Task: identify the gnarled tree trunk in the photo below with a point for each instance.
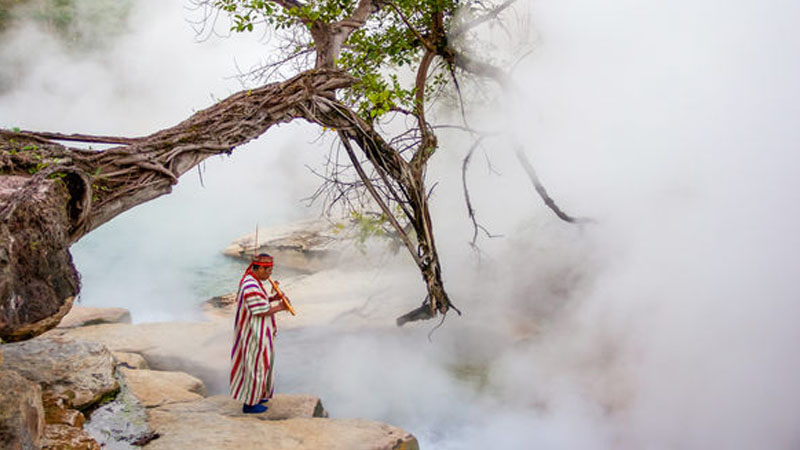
(52, 195)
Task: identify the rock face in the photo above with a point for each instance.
(38, 281)
(21, 412)
(80, 316)
(80, 371)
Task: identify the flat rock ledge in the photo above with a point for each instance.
(218, 423)
(297, 422)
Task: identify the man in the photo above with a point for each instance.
(253, 354)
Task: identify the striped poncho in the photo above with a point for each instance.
(253, 354)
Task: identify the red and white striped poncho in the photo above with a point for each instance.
(253, 354)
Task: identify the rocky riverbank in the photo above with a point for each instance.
(124, 386)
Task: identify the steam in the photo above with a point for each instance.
(670, 323)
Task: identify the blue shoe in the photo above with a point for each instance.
(253, 409)
(263, 401)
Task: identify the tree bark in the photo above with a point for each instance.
(52, 195)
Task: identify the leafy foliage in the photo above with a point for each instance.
(382, 54)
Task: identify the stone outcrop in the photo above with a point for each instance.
(83, 372)
(300, 246)
(80, 316)
(21, 412)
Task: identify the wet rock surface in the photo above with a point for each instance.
(121, 423)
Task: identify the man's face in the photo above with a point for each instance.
(262, 272)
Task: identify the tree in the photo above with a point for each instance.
(362, 50)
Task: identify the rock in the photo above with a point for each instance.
(130, 360)
(65, 437)
(1, 356)
(121, 423)
(21, 412)
(156, 388)
(223, 301)
(38, 281)
(57, 411)
(80, 316)
(218, 423)
(81, 371)
(301, 246)
(281, 407)
(192, 347)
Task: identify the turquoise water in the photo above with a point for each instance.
(162, 258)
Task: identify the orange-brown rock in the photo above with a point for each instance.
(57, 410)
(65, 437)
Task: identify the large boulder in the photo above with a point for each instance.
(80, 316)
(81, 371)
(292, 422)
(21, 412)
(38, 281)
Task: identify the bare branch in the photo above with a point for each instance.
(537, 184)
(491, 15)
(378, 199)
